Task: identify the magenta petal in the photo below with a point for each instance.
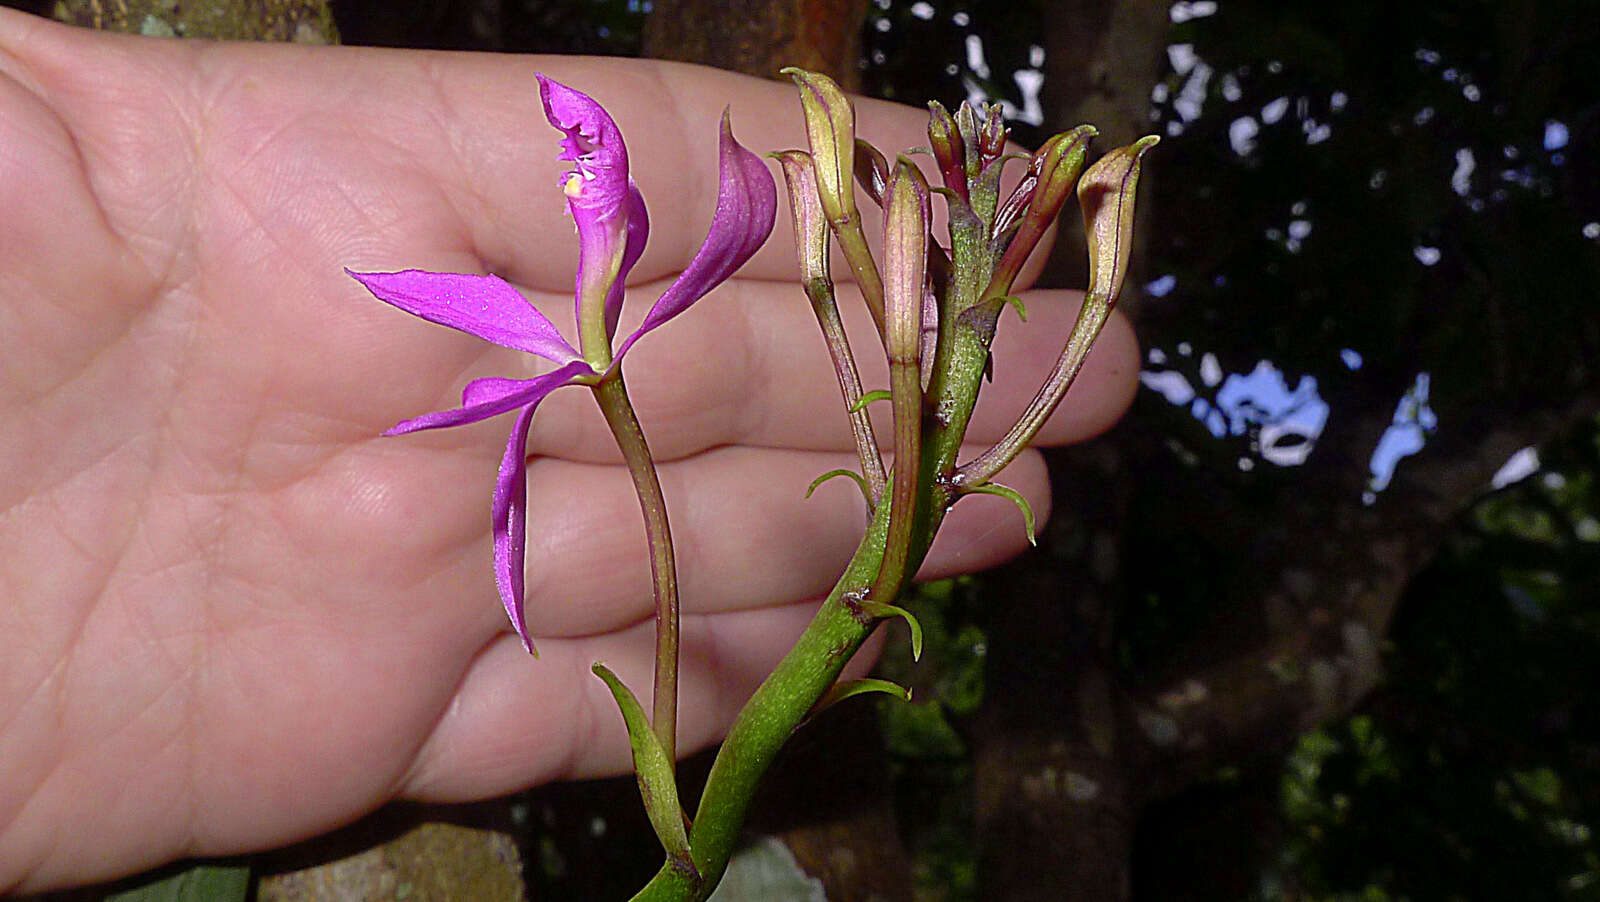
(510, 518)
(592, 142)
(485, 306)
(638, 232)
(605, 204)
(747, 200)
(485, 398)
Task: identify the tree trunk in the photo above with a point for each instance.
(1102, 59)
(759, 38)
(301, 21)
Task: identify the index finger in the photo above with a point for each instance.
(405, 155)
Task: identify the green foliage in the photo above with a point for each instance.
(204, 882)
(929, 757)
(1473, 773)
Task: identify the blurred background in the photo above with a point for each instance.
(1321, 619)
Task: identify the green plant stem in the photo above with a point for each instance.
(853, 241)
(812, 666)
(612, 395)
(820, 293)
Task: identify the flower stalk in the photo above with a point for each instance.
(612, 396)
(811, 246)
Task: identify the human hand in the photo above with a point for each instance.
(233, 615)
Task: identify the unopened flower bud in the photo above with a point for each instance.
(992, 137)
(872, 170)
(1052, 172)
(831, 129)
(949, 148)
(810, 230)
(1106, 195)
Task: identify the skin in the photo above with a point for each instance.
(231, 615)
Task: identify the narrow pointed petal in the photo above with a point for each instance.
(485, 306)
(747, 202)
(510, 519)
(485, 398)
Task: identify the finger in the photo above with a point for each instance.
(406, 147)
(517, 722)
(748, 366)
(411, 159)
(745, 536)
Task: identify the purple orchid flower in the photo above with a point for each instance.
(612, 227)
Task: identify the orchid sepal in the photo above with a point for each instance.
(486, 307)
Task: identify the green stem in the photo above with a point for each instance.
(812, 666)
(612, 395)
(779, 705)
(820, 292)
(853, 241)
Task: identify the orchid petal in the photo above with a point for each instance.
(485, 398)
(747, 201)
(638, 231)
(510, 518)
(484, 306)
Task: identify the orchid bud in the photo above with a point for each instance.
(948, 148)
(1051, 174)
(810, 230)
(905, 257)
(992, 137)
(872, 170)
(1106, 196)
(905, 260)
(831, 129)
(967, 126)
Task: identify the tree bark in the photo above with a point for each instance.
(301, 21)
(759, 38)
(1067, 753)
(1102, 59)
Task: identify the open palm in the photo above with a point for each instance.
(230, 614)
